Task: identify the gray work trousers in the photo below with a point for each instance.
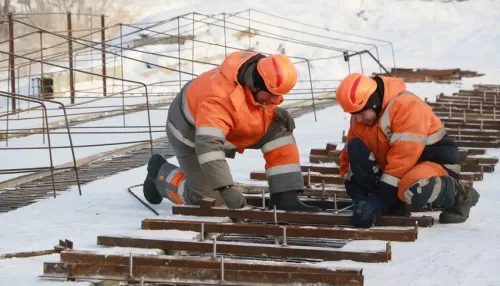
(196, 186)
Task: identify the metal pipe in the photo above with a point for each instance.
(249, 31)
(225, 41)
(130, 265)
(284, 236)
(308, 177)
(221, 268)
(70, 55)
(192, 52)
(12, 60)
(312, 91)
(323, 191)
(214, 247)
(40, 85)
(202, 232)
(263, 199)
(103, 55)
(179, 50)
(335, 202)
(121, 59)
(275, 215)
(347, 56)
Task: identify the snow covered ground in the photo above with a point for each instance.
(424, 34)
(443, 255)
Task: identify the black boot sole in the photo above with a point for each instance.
(151, 192)
(154, 165)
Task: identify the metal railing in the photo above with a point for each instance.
(131, 98)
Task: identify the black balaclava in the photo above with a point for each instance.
(249, 76)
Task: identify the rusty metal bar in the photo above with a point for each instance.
(63, 245)
(308, 218)
(332, 179)
(103, 50)
(330, 191)
(203, 276)
(248, 249)
(27, 254)
(12, 60)
(70, 55)
(72, 256)
(291, 231)
(324, 204)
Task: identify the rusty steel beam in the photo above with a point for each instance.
(333, 179)
(186, 276)
(268, 250)
(474, 132)
(477, 144)
(329, 191)
(196, 262)
(476, 138)
(408, 234)
(314, 178)
(476, 92)
(473, 151)
(463, 162)
(468, 115)
(335, 170)
(446, 99)
(457, 105)
(321, 170)
(494, 122)
(308, 218)
(324, 204)
(476, 125)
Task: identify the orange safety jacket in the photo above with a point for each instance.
(225, 116)
(405, 126)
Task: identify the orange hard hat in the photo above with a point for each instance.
(278, 73)
(354, 91)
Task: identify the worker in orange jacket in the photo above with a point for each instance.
(223, 111)
(398, 153)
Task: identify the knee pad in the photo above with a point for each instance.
(427, 182)
(170, 183)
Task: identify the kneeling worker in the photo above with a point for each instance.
(223, 111)
(398, 153)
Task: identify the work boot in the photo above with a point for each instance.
(289, 201)
(465, 198)
(149, 187)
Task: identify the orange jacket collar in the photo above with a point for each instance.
(392, 87)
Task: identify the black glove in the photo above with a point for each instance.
(365, 211)
(232, 197)
(285, 117)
